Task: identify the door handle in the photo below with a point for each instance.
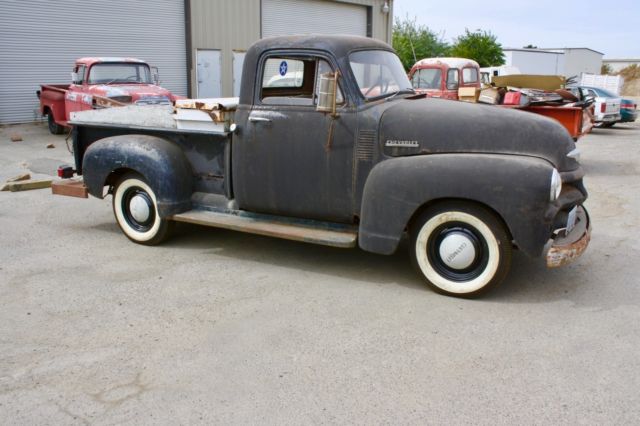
(259, 120)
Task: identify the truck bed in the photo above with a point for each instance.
(208, 153)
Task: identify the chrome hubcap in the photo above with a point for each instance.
(139, 208)
(457, 251)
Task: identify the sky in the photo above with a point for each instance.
(610, 27)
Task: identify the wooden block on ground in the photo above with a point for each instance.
(27, 185)
(70, 188)
(20, 177)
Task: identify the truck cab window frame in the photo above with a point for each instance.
(293, 80)
(469, 75)
(453, 78)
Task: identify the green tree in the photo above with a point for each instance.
(606, 69)
(481, 46)
(414, 42)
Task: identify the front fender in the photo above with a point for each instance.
(516, 187)
(162, 163)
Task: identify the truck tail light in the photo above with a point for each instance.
(65, 172)
(603, 107)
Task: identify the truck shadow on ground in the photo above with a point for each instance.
(528, 282)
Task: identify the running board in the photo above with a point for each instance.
(323, 233)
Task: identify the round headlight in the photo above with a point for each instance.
(556, 185)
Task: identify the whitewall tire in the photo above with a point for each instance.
(460, 249)
(135, 209)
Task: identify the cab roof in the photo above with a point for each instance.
(450, 62)
(90, 60)
(339, 45)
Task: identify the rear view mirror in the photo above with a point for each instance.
(327, 92)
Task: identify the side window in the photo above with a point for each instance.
(469, 75)
(453, 79)
(283, 72)
(293, 81)
(287, 81)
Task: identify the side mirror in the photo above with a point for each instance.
(327, 92)
(155, 75)
(74, 78)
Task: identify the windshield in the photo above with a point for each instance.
(378, 73)
(427, 78)
(119, 73)
(604, 93)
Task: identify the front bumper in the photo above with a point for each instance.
(565, 249)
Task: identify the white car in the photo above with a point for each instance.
(607, 106)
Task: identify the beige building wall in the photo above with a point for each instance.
(233, 25)
(225, 25)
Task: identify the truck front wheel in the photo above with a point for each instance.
(135, 209)
(460, 249)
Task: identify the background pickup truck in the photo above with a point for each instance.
(443, 77)
(99, 83)
(343, 152)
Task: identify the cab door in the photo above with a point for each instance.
(73, 98)
(289, 159)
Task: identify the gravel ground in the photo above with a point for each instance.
(229, 328)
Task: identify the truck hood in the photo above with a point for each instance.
(136, 91)
(432, 126)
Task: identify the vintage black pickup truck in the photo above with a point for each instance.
(329, 144)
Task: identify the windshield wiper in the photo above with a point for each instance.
(404, 91)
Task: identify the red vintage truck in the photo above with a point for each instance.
(100, 83)
(442, 77)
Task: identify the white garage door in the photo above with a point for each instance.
(286, 17)
(40, 39)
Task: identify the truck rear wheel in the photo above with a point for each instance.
(460, 249)
(54, 128)
(135, 209)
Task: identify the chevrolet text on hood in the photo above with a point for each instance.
(329, 144)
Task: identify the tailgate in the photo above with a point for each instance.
(613, 105)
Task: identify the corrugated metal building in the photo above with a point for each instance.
(619, 64)
(535, 61)
(41, 39)
(566, 61)
(221, 31)
(578, 60)
(198, 45)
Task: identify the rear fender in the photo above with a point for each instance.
(162, 163)
(52, 102)
(515, 187)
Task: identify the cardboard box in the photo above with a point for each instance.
(468, 94)
(542, 82)
(489, 96)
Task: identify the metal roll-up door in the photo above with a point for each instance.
(286, 17)
(41, 39)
